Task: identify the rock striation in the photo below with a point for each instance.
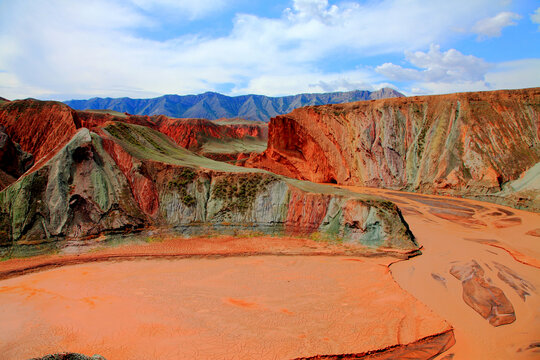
(43, 127)
(123, 177)
(486, 299)
(13, 160)
(466, 144)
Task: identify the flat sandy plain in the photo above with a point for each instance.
(263, 297)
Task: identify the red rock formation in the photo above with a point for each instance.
(192, 133)
(306, 211)
(487, 300)
(94, 119)
(457, 143)
(13, 160)
(44, 127)
(40, 127)
(143, 188)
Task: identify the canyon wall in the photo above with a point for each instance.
(43, 127)
(466, 144)
(124, 177)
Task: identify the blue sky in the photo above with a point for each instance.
(66, 49)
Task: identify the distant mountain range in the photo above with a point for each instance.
(211, 105)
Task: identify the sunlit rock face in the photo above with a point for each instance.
(116, 173)
(467, 144)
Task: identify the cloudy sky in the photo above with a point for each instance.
(71, 49)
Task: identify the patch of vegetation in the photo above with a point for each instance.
(180, 184)
(421, 141)
(239, 192)
(324, 237)
(133, 135)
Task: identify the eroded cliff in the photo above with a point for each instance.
(466, 144)
(126, 177)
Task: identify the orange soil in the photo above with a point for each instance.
(228, 297)
(263, 307)
(471, 230)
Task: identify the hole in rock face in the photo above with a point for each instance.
(332, 181)
(81, 154)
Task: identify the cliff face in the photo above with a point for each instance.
(13, 160)
(126, 177)
(42, 128)
(39, 127)
(464, 144)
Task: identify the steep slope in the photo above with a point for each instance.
(214, 106)
(130, 177)
(13, 160)
(39, 127)
(43, 127)
(224, 140)
(467, 144)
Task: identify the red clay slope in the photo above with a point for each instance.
(44, 127)
(456, 144)
(192, 133)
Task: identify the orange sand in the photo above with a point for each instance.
(256, 307)
(506, 237)
(277, 298)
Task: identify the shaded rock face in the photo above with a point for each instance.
(43, 127)
(40, 128)
(487, 300)
(69, 356)
(459, 144)
(423, 349)
(193, 133)
(75, 194)
(13, 160)
(131, 177)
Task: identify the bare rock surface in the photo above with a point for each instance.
(479, 145)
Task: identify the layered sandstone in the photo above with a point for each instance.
(129, 177)
(43, 127)
(13, 160)
(467, 144)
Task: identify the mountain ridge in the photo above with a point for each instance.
(213, 105)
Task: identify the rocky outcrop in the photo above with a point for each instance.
(423, 349)
(69, 356)
(13, 160)
(130, 177)
(487, 300)
(205, 136)
(39, 127)
(44, 127)
(467, 144)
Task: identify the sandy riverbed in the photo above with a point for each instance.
(454, 232)
(281, 298)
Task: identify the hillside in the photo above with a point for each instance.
(99, 173)
(467, 144)
(213, 106)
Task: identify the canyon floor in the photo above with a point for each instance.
(264, 297)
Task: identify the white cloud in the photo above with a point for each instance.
(452, 71)
(515, 74)
(193, 9)
(310, 81)
(492, 27)
(97, 48)
(447, 67)
(535, 17)
(308, 10)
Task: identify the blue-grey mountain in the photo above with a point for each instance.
(212, 105)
